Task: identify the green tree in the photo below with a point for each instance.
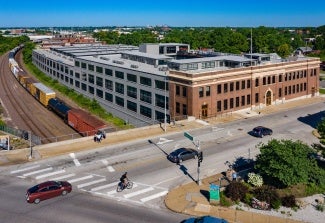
(284, 163)
(284, 50)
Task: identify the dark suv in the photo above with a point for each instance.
(261, 131)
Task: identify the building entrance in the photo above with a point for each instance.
(268, 98)
(204, 109)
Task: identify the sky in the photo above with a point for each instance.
(174, 13)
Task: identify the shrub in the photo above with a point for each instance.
(255, 179)
(320, 207)
(224, 201)
(236, 191)
(248, 198)
(289, 201)
(268, 194)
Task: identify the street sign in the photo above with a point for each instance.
(187, 135)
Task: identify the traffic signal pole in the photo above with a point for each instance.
(199, 160)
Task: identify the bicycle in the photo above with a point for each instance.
(121, 186)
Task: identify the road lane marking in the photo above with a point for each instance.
(138, 192)
(80, 179)
(75, 160)
(50, 174)
(90, 183)
(37, 171)
(154, 196)
(110, 169)
(24, 169)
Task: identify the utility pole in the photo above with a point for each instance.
(199, 161)
(30, 145)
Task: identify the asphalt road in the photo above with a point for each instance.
(95, 173)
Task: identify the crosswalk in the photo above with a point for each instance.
(93, 184)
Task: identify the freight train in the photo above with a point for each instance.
(84, 123)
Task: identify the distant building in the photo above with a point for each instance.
(303, 50)
(143, 84)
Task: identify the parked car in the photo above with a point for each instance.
(47, 190)
(205, 219)
(182, 154)
(261, 131)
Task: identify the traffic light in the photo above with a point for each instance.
(200, 157)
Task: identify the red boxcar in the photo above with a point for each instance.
(84, 123)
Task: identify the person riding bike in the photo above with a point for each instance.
(124, 179)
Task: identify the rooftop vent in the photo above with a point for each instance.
(134, 66)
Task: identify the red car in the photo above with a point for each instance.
(47, 190)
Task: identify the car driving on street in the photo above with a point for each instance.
(47, 190)
(181, 154)
(261, 131)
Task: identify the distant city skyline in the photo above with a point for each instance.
(178, 13)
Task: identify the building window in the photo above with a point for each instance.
(77, 75)
(219, 89)
(218, 106)
(77, 63)
(305, 86)
(109, 84)
(99, 81)
(119, 101)
(256, 82)
(99, 93)
(160, 101)
(178, 90)
(145, 111)
(280, 78)
(184, 109)
(83, 86)
(109, 72)
(231, 103)
(108, 97)
(201, 92)
(83, 65)
(119, 88)
(91, 67)
(225, 88)
(132, 78)
(225, 104)
(178, 107)
(160, 116)
(132, 92)
(231, 86)
(237, 85)
(99, 70)
(248, 84)
(77, 84)
(91, 90)
(145, 96)
(237, 101)
(280, 92)
(131, 106)
(145, 81)
(269, 80)
(161, 85)
(264, 80)
(248, 99)
(207, 91)
(91, 78)
(242, 100)
(119, 74)
(243, 84)
(184, 91)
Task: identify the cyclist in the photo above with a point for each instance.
(124, 179)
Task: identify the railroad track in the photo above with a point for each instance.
(27, 113)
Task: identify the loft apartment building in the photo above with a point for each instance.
(143, 84)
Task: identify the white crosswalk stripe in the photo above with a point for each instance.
(104, 186)
(90, 183)
(37, 171)
(154, 196)
(138, 192)
(81, 178)
(24, 169)
(64, 176)
(50, 174)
